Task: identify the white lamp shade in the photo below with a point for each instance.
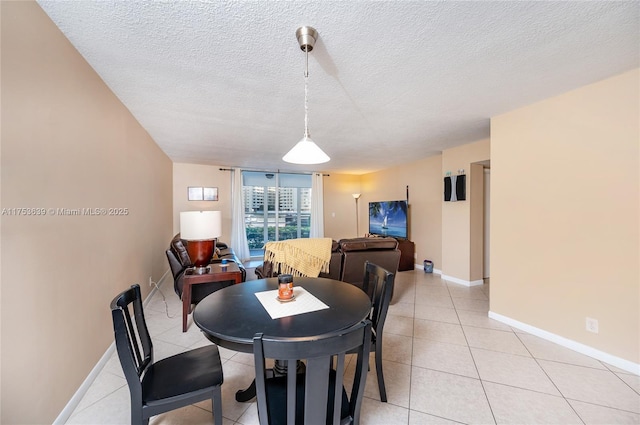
(200, 225)
(306, 152)
(355, 195)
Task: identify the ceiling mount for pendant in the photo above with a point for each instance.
(307, 37)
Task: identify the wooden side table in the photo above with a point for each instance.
(215, 274)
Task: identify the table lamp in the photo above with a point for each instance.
(200, 229)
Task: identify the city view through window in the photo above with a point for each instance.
(277, 207)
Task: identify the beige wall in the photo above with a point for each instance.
(340, 206)
(565, 215)
(185, 175)
(425, 197)
(459, 261)
(67, 142)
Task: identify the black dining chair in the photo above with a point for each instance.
(378, 284)
(167, 384)
(313, 394)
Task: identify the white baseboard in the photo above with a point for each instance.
(463, 282)
(64, 415)
(451, 278)
(84, 387)
(618, 362)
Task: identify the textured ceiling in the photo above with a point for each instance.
(389, 82)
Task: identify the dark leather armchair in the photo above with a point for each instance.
(179, 261)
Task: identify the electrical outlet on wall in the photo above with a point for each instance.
(592, 325)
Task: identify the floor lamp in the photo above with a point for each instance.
(356, 196)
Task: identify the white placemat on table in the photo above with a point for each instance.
(304, 302)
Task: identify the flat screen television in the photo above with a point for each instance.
(388, 218)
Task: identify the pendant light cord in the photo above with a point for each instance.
(306, 106)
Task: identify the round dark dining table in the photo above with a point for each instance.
(232, 316)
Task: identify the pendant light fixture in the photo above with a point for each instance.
(306, 151)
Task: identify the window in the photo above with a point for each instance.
(277, 207)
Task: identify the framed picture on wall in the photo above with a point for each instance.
(195, 193)
(202, 193)
(210, 193)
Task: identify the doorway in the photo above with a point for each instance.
(487, 214)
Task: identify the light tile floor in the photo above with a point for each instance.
(445, 362)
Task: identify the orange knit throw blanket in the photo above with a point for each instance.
(300, 257)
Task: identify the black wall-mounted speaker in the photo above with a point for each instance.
(455, 188)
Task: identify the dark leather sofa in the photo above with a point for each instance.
(335, 265)
(348, 257)
(383, 252)
(179, 261)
